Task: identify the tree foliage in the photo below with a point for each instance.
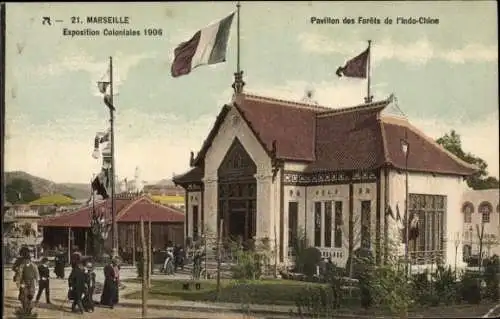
(20, 191)
(480, 180)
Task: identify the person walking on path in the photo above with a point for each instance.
(26, 280)
(44, 282)
(88, 301)
(110, 293)
(76, 283)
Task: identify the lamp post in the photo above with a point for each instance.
(405, 148)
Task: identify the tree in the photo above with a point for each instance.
(480, 180)
(351, 235)
(20, 191)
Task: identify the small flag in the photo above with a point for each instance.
(398, 214)
(356, 67)
(207, 46)
(414, 231)
(107, 101)
(389, 211)
(100, 138)
(99, 186)
(103, 86)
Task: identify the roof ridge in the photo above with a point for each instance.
(126, 208)
(365, 106)
(290, 103)
(387, 158)
(150, 200)
(408, 125)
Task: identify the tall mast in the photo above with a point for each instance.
(369, 97)
(114, 228)
(238, 76)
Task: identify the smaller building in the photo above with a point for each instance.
(73, 229)
(20, 228)
(480, 208)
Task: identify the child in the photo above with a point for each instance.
(88, 301)
(43, 283)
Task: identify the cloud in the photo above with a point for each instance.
(479, 137)
(417, 52)
(81, 61)
(331, 94)
(158, 145)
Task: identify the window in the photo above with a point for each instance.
(338, 225)
(328, 224)
(485, 209)
(430, 210)
(317, 224)
(365, 223)
(467, 210)
(293, 215)
(195, 222)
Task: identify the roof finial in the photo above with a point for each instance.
(238, 76)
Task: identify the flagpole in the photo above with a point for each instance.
(238, 6)
(114, 228)
(369, 97)
(238, 76)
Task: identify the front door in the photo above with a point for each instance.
(237, 194)
(237, 218)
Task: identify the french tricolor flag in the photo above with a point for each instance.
(207, 46)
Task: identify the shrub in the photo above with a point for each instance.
(308, 260)
(365, 268)
(444, 285)
(317, 302)
(491, 271)
(470, 288)
(299, 246)
(248, 263)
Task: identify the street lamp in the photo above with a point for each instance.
(405, 148)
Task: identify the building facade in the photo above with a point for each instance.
(481, 215)
(272, 169)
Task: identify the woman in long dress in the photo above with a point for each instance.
(109, 295)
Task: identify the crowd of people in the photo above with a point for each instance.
(81, 282)
(82, 279)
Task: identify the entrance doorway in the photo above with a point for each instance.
(237, 195)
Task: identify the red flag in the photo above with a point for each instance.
(356, 67)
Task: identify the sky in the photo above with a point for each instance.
(445, 76)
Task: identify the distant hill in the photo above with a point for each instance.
(45, 187)
(164, 182)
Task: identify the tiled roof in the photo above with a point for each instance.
(195, 174)
(132, 208)
(82, 216)
(348, 140)
(424, 154)
(353, 138)
(146, 209)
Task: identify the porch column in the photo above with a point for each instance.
(210, 203)
(265, 209)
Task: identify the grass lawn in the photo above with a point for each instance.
(285, 292)
(270, 292)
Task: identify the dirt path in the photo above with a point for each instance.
(61, 308)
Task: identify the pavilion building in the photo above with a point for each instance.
(270, 168)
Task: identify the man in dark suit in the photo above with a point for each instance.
(76, 283)
(88, 301)
(43, 283)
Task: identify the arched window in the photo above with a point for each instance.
(467, 210)
(485, 209)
